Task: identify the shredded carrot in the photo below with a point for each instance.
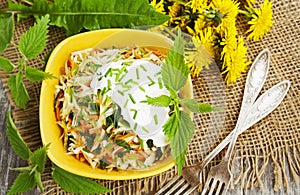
(70, 120)
(128, 54)
(120, 137)
(94, 117)
(57, 114)
(157, 53)
(136, 55)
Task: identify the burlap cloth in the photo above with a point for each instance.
(275, 140)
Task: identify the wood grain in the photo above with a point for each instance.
(8, 158)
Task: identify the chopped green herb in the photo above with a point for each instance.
(128, 81)
(131, 81)
(123, 144)
(144, 68)
(135, 126)
(74, 72)
(142, 143)
(104, 91)
(160, 83)
(152, 82)
(126, 102)
(108, 84)
(131, 98)
(71, 94)
(146, 130)
(142, 89)
(124, 86)
(155, 119)
(108, 72)
(134, 113)
(125, 90)
(120, 79)
(121, 92)
(137, 74)
(157, 74)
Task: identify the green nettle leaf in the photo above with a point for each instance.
(180, 161)
(38, 180)
(35, 75)
(175, 71)
(171, 126)
(18, 90)
(181, 139)
(38, 158)
(161, 101)
(74, 15)
(6, 65)
(196, 107)
(15, 139)
(23, 183)
(6, 30)
(76, 184)
(33, 41)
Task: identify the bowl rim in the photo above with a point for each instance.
(46, 109)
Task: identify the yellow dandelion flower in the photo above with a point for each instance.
(199, 25)
(228, 8)
(227, 33)
(261, 21)
(251, 2)
(174, 10)
(236, 62)
(202, 55)
(198, 5)
(159, 6)
(206, 38)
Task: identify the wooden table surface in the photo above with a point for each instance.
(8, 160)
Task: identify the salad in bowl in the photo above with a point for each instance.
(121, 109)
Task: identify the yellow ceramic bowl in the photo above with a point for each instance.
(51, 133)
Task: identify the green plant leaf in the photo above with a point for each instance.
(15, 139)
(18, 90)
(171, 126)
(161, 101)
(38, 180)
(76, 184)
(6, 65)
(74, 15)
(23, 183)
(36, 75)
(6, 30)
(181, 139)
(175, 71)
(38, 158)
(33, 41)
(196, 107)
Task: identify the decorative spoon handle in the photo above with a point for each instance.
(267, 102)
(264, 105)
(255, 80)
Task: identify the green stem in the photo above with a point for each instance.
(27, 1)
(14, 44)
(243, 12)
(9, 12)
(33, 169)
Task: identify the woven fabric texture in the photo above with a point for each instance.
(275, 139)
